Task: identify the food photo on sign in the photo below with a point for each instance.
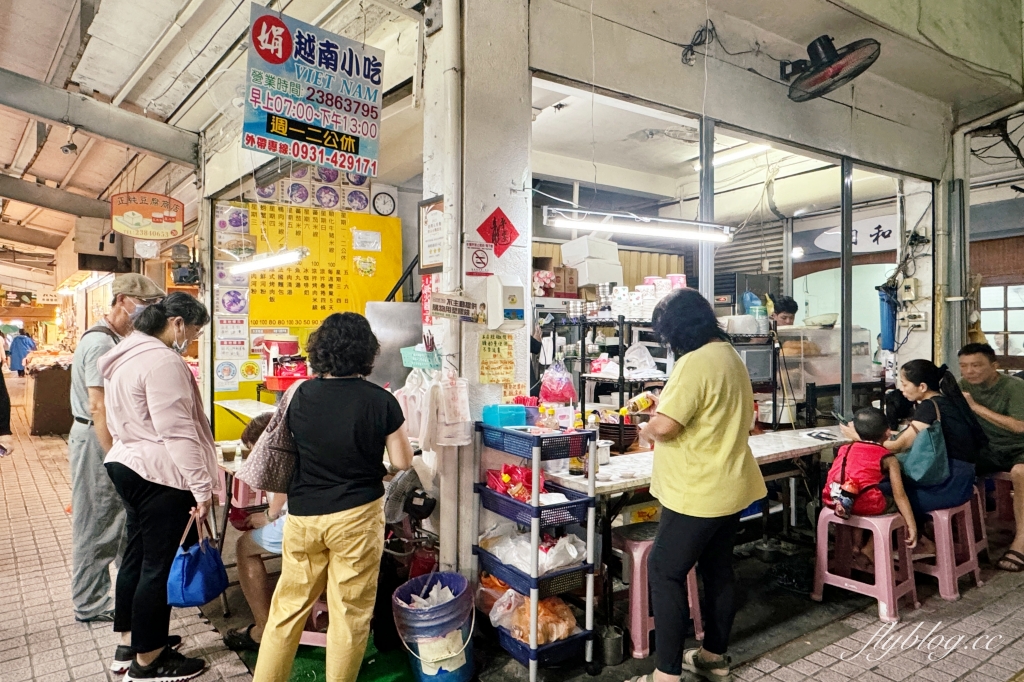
(315, 97)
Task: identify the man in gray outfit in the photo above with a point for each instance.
(97, 515)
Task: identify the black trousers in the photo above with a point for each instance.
(682, 542)
(5, 406)
(156, 518)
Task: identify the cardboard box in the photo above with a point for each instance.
(571, 282)
(559, 289)
(589, 248)
(594, 271)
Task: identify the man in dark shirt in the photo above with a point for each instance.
(998, 400)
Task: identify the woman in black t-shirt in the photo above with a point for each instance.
(334, 532)
(937, 396)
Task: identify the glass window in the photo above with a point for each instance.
(992, 297)
(1016, 345)
(992, 321)
(998, 342)
(1015, 297)
(1015, 320)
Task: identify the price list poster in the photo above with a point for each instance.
(353, 258)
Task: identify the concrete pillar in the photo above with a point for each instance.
(496, 115)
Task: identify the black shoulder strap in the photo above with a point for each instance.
(102, 329)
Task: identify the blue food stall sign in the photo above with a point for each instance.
(312, 96)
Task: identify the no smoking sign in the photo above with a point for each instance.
(478, 259)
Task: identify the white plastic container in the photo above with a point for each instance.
(587, 248)
(593, 272)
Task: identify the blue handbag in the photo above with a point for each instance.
(197, 575)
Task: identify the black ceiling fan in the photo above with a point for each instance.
(828, 67)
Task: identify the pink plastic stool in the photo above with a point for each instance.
(978, 517)
(891, 582)
(637, 540)
(954, 556)
(1004, 496)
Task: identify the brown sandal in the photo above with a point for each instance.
(1012, 561)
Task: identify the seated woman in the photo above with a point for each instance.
(936, 394)
(264, 538)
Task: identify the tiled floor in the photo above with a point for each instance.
(39, 638)
(979, 638)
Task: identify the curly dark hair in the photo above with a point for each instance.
(342, 346)
(685, 321)
(255, 428)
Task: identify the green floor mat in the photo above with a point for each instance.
(310, 665)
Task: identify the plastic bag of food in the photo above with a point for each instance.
(555, 621)
(505, 608)
(556, 386)
(496, 534)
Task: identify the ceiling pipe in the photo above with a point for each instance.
(169, 34)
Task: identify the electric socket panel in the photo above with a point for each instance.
(915, 321)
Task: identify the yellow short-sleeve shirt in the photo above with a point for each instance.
(708, 469)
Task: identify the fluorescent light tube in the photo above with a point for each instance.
(272, 261)
(734, 156)
(639, 228)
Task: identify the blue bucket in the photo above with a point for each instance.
(429, 633)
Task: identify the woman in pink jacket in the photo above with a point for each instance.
(164, 468)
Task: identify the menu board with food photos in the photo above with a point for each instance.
(353, 258)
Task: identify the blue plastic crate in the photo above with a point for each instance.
(574, 511)
(548, 585)
(554, 653)
(521, 443)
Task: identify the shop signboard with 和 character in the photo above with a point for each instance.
(312, 95)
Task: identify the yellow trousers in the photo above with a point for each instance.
(340, 553)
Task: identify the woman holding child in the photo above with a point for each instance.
(937, 396)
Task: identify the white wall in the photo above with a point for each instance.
(819, 293)
(638, 55)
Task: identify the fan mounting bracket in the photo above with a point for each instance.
(789, 69)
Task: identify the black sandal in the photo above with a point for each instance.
(692, 662)
(1012, 561)
(241, 639)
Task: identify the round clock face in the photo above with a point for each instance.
(383, 203)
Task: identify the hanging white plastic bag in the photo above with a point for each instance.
(455, 397)
(639, 362)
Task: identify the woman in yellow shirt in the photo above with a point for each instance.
(704, 476)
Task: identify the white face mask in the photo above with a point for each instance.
(179, 347)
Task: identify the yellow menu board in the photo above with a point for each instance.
(353, 258)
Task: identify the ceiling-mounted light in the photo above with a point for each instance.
(269, 261)
(734, 156)
(629, 223)
(798, 252)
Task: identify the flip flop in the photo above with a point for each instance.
(692, 662)
(1012, 561)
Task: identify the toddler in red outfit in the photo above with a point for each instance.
(852, 483)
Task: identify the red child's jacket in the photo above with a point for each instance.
(863, 466)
